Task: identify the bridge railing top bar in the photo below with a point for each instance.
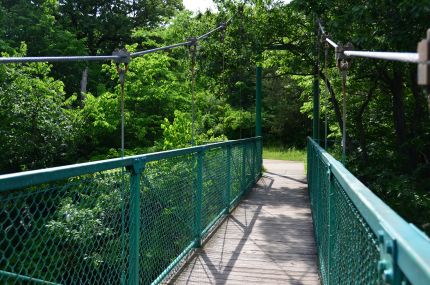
(34, 177)
(412, 245)
(114, 57)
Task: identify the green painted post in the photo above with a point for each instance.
(260, 153)
(198, 213)
(309, 170)
(258, 93)
(228, 186)
(258, 123)
(243, 184)
(315, 185)
(254, 162)
(133, 266)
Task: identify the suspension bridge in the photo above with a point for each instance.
(208, 214)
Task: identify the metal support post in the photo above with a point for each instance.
(133, 266)
(258, 93)
(254, 160)
(228, 186)
(260, 153)
(243, 184)
(316, 91)
(317, 189)
(198, 209)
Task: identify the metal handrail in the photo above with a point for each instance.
(33, 177)
(412, 246)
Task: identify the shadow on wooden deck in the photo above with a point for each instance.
(267, 239)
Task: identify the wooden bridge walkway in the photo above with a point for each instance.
(268, 238)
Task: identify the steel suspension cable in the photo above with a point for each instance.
(332, 43)
(412, 57)
(223, 64)
(213, 31)
(344, 66)
(321, 27)
(241, 31)
(328, 95)
(343, 53)
(393, 56)
(193, 49)
(114, 57)
(122, 72)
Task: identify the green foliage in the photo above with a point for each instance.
(178, 134)
(46, 121)
(36, 130)
(282, 153)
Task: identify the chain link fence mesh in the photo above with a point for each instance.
(122, 225)
(67, 232)
(348, 249)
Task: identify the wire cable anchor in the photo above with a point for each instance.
(323, 40)
(122, 57)
(122, 60)
(326, 45)
(193, 49)
(343, 62)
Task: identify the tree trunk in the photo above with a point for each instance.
(360, 125)
(397, 91)
(84, 81)
(419, 113)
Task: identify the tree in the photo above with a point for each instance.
(36, 131)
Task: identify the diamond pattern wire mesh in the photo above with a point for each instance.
(64, 232)
(214, 185)
(348, 250)
(249, 162)
(101, 229)
(236, 171)
(323, 217)
(167, 212)
(258, 156)
(355, 237)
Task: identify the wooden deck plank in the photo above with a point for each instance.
(268, 239)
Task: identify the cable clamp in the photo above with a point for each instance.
(324, 38)
(123, 56)
(223, 29)
(343, 62)
(192, 42)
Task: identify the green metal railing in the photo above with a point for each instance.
(119, 221)
(360, 240)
